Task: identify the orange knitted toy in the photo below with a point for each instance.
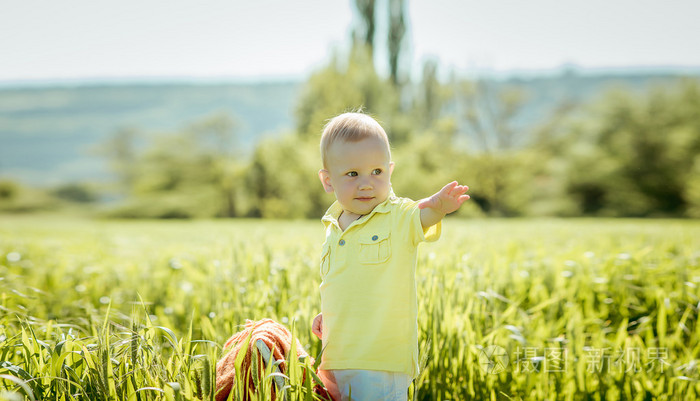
(275, 337)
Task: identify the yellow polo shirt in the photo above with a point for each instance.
(368, 288)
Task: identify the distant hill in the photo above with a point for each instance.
(46, 132)
(544, 93)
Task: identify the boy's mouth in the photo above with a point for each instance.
(365, 198)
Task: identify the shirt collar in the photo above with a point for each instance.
(333, 212)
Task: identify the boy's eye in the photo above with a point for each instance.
(352, 174)
(377, 171)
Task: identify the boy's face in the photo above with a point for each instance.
(359, 173)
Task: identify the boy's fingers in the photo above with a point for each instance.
(316, 329)
(452, 190)
(449, 187)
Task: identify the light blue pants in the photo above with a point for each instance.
(372, 385)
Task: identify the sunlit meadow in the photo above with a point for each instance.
(508, 309)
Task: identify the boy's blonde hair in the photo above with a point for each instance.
(351, 127)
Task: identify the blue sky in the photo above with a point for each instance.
(264, 39)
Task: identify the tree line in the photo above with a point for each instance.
(624, 154)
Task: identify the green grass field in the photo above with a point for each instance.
(508, 309)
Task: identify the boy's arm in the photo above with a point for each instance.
(446, 201)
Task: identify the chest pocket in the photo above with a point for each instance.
(375, 248)
(325, 260)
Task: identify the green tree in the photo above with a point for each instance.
(74, 192)
(218, 140)
(120, 149)
(282, 179)
(8, 190)
(692, 190)
(397, 31)
(364, 31)
(193, 172)
(494, 158)
(488, 112)
(16, 198)
(634, 154)
(345, 85)
(430, 100)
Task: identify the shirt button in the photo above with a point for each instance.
(374, 238)
(341, 242)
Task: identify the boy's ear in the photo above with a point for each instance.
(325, 178)
(391, 168)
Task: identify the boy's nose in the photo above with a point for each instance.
(365, 184)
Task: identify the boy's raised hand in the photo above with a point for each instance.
(447, 200)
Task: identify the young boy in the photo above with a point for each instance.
(368, 320)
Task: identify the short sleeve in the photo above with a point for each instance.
(409, 219)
